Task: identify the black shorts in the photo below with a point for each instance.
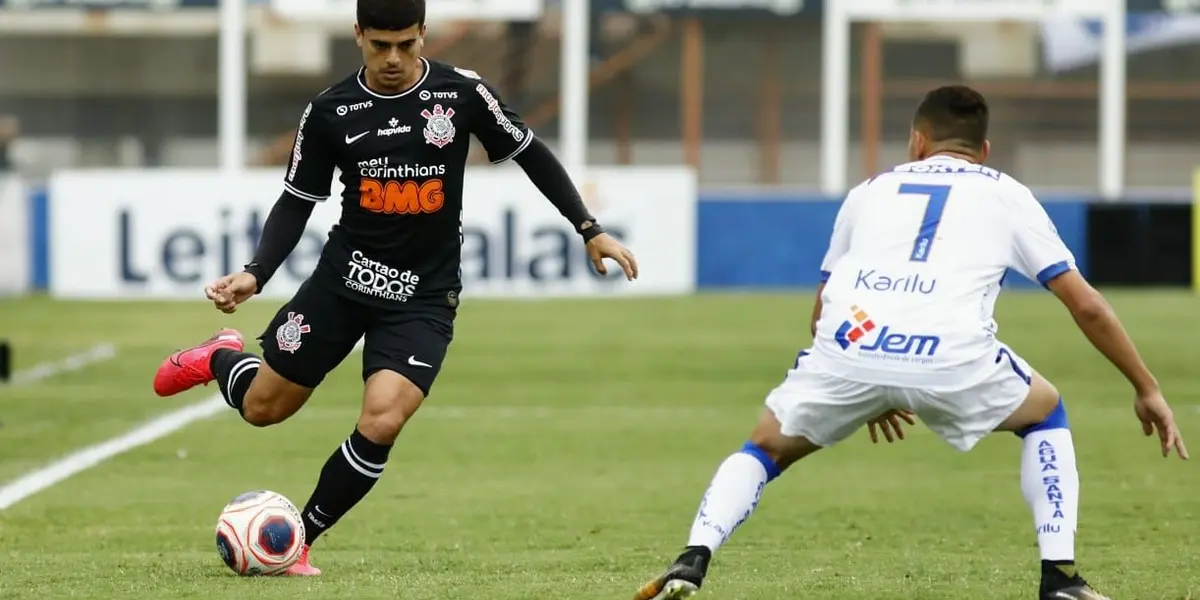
(315, 331)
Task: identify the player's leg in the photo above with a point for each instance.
(1012, 397)
(258, 392)
(805, 413)
(1050, 484)
(308, 337)
(731, 497)
(401, 358)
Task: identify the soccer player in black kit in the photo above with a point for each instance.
(399, 131)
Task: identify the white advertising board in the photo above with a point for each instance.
(14, 236)
(436, 11)
(972, 10)
(166, 234)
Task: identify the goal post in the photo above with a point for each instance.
(835, 57)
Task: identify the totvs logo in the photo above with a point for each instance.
(393, 197)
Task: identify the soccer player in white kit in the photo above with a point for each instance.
(903, 325)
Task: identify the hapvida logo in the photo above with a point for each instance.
(852, 331)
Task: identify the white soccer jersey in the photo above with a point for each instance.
(914, 266)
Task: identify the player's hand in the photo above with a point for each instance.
(889, 423)
(1154, 413)
(606, 246)
(229, 291)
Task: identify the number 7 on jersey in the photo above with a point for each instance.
(935, 205)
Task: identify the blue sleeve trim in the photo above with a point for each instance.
(1045, 275)
(825, 276)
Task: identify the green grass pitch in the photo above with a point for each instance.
(562, 455)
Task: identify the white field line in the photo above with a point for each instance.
(86, 458)
(74, 362)
(90, 456)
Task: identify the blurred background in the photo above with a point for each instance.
(733, 91)
(143, 143)
(741, 95)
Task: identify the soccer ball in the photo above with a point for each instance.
(260, 533)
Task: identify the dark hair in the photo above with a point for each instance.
(954, 113)
(390, 15)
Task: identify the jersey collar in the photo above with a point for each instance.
(945, 157)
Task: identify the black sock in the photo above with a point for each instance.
(348, 475)
(1058, 574)
(234, 372)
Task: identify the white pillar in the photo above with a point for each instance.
(835, 97)
(574, 69)
(231, 94)
(1112, 103)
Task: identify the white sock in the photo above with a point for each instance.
(1050, 482)
(731, 498)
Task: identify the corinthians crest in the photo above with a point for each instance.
(288, 335)
(439, 129)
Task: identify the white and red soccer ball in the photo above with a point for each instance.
(260, 533)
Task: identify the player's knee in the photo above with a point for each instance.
(775, 450)
(1042, 410)
(382, 428)
(766, 456)
(261, 413)
(390, 401)
(265, 409)
(1055, 419)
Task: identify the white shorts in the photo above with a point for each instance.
(827, 409)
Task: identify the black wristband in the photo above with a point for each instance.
(590, 229)
(260, 276)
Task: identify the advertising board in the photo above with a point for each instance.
(165, 234)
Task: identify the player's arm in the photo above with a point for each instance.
(306, 182)
(506, 137)
(818, 306)
(1041, 255)
(839, 244)
(553, 181)
(1099, 323)
(281, 232)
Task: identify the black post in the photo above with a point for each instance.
(5, 361)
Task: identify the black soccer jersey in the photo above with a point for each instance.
(402, 159)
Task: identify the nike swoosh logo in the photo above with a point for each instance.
(351, 140)
(412, 360)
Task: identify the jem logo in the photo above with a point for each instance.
(850, 332)
(898, 346)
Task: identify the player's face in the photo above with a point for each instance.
(392, 58)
